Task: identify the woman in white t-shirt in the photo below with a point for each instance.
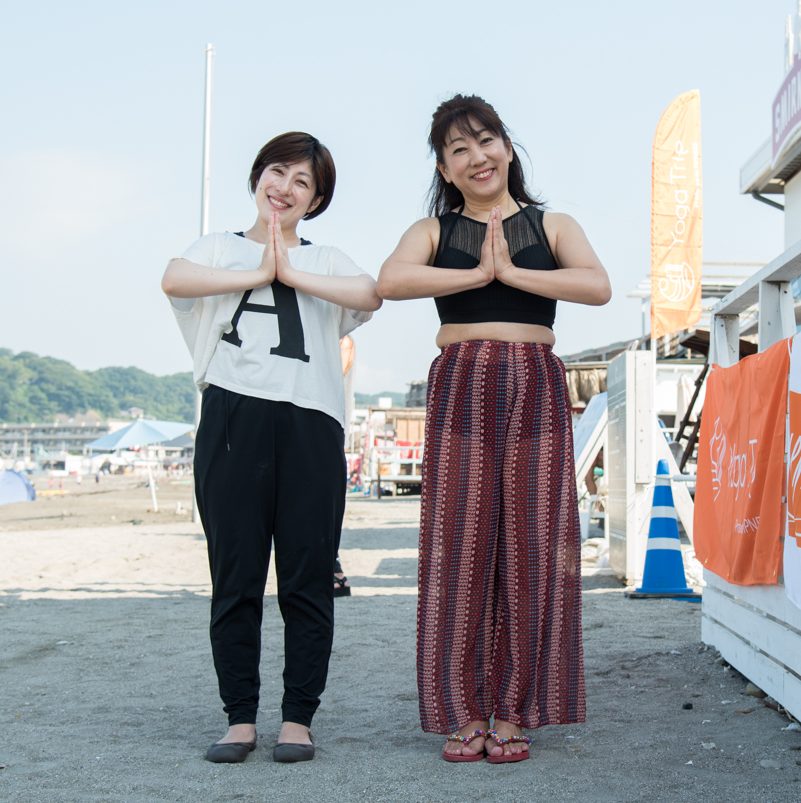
(262, 312)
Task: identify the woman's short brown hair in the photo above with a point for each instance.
(294, 147)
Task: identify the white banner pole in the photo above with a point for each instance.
(204, 209)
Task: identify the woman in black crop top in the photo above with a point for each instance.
(499, 618)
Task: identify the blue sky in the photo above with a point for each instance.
(101, 145)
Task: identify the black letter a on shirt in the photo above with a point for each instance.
(291, 342)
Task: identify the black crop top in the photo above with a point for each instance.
(460, 242)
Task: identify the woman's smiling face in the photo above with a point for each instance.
(289, 190)
(476, 162)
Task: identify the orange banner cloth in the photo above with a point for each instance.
(794, 478)
(676, 217)
(347, 352)
(739, 518)
(791, 558)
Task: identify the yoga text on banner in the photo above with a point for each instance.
(738, 522)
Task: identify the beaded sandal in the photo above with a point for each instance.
(507, 758)
(465, 740)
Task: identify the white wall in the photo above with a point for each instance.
(792, 211)
(758, 631)
(630, 460)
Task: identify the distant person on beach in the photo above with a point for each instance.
(262, 312)
(346, 355)
(499, 616)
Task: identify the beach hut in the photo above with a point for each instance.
(755, 622)
(141, 432)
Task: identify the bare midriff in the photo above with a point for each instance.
(494, 330)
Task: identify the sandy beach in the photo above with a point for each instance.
(107, 691)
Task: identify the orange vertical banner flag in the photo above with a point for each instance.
(676, 217)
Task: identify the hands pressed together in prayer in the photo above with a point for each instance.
(495, 260)
(275, 262)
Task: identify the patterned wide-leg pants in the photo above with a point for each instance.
(499, 610)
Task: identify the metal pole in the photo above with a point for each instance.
(204, 208)
(204, 190)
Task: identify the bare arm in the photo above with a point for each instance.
(407, 272)
(581, 277)
(351, 292)
(185, 279)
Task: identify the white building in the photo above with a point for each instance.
(757, 628)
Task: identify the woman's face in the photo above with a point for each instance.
(287, 189)
(477, 164)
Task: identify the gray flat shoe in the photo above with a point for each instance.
(229, 752)
(287, 752)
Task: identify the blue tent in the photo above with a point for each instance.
(141, 432)
(14, 487)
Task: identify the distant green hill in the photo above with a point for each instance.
(36, 389)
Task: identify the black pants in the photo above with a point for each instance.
(267, 472)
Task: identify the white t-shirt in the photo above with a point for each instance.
(272, 342)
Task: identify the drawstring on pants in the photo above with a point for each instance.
(227, 439)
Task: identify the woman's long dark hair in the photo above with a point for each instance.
(463, 111)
